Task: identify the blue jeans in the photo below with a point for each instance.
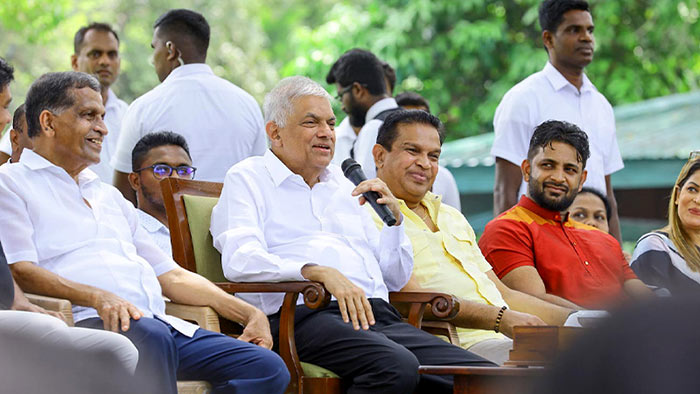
(230, 365)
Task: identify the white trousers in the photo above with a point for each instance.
(40, 353)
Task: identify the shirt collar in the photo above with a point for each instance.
(148, 222)
(379, 107)
(527, 203)
(279, 171)
(189, 69)
(558, 81)
(35, 161)
(431, 201)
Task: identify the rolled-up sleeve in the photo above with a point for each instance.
(146, 247)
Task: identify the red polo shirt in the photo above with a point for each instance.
(576, 261)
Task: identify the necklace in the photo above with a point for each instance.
(424, 216)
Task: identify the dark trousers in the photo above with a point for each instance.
(231, 366)
(383, 359)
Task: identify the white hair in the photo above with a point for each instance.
(277, 106)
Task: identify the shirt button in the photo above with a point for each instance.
(586, 262)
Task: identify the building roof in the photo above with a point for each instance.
(661, 128)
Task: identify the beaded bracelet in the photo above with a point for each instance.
(497, 327)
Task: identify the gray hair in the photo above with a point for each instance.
(278, 103)
(52, 92)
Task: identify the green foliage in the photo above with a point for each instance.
(461, 55)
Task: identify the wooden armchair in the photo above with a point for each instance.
(188, 205)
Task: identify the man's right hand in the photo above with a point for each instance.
(115, 311)
(513, 318)
(352, 302)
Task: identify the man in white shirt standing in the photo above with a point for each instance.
(360, 79)
(96, 49)
(221, 122)
(561, 91)
(68, 235)
(155, 157)
(291, 215)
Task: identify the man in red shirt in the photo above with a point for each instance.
(536, 249)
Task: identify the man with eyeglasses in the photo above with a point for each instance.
(155, 157)
(363, 83)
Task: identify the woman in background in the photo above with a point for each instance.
(592, 208)
(670, 257)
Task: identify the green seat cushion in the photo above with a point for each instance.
(207, 258)
(314, 371)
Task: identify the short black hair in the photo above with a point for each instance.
(390, 76)
(388, 130)
(7, 73)
(559, 131)
(413, 99)
(154, 140)
(17, 118)
(552, 12)
(52, 92)
(80, 34)
(190, 23)
(600, 195)
(361, 66)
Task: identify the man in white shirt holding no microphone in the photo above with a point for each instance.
(221, 122)
(68, 235)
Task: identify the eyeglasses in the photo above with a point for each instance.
(162, 171)
(694, 155)
(342, 92)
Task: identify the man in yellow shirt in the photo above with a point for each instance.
(446, 255)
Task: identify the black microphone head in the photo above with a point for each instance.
(349, 165)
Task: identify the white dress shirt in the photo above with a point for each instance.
(159, 233)
(115, 109)
(268, 224)
(46, 220)
(220, 121)
(344, 140)
(367, 137)
(547, 95)
(446, 186)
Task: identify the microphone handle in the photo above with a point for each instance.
(384, 212)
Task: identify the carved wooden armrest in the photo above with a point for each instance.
(315, 296)
(442, 306)
(314, 293)
(60, 305)
(204, 316)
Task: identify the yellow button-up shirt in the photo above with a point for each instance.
(449, 260)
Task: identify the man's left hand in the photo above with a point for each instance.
(257, 331)
(386, 198)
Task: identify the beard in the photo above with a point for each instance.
(356, 115)
(536, 191)
(155, 201)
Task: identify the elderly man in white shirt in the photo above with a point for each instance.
(561, 91)
(66, 234)
(221, 122)
(290, 215)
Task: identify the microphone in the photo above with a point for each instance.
(353, 171)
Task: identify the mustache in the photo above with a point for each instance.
(558, 185)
